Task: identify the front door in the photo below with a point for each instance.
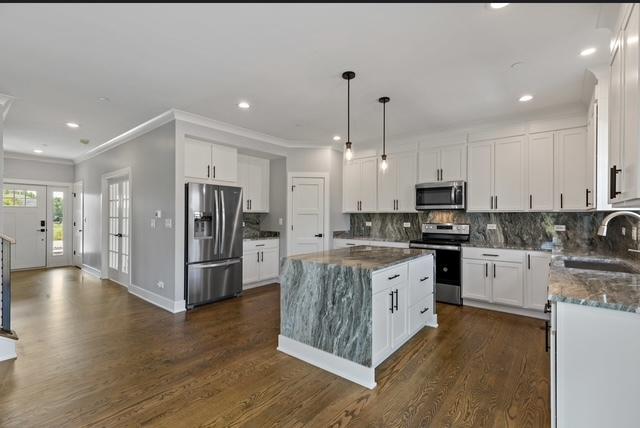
(307, 203)
(25, 219)
(118, 229)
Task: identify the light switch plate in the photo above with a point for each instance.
(560, 228)
(279, 221)
(492, 226)
(634, 233)
(406, 224)
(368, 223)
(158, 214)
(624, 231)
(168, 223)
(152, 223)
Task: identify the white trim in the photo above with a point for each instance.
(507, 309)
(327, 201)
(91, 271)
(104, 227)
(7, 349)
(9, 180)
(250, 285)
(37, 158)
(365, 376)
(158, 300)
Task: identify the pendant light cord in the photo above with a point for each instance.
(349, 110)
(384, 128)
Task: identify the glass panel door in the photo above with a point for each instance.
(118, 229)
(59, 224)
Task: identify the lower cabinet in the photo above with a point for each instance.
(260, 260)
(397, 311)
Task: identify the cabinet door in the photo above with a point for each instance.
(350, 185)
(381, 325)
(420, 279)
(631, 108)
(480, 183)
(540, 172)
(400, 316)
(388, 186)
(537, 280)
(197, 159)
(507, 283)
(259, 185)
(269, 263)
(250, 269)
(406, 196)
(475, 280)
(368, 185)
(224, 161)
(244, 170)
(428, 165)
(571, 169)
(453, 163)
(592, 146)
(615, 115)
(509, 174)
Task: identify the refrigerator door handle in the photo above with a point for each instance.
(216, 200)
(223, 217)
(213, 265)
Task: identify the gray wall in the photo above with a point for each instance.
(151, 158)
(277, 201)
(38, 170)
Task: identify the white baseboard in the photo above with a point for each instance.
(365, 376)
(92, 271)
(7, 349)
(434, 321)
(502, 308)
(160, 301)
(260, 283)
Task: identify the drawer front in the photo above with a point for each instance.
(260, 244)
(420, 314)
(420, 279)
(390, 277)
(495, 254)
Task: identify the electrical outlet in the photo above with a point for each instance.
(158, 214)
(492, 226)
(634, 233)
(560, 228)
(243, 224)
(168, 223)
(368, 224)
(152, 223)
(624, 231)
(406, 224)
(160, 284)
(280, 221)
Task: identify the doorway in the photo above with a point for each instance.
(116, 194)
(308, 220)
(59, 233)
(78, 223)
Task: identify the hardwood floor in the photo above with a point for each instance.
(91, 354)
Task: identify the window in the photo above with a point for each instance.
(58, 228)
(17, 198)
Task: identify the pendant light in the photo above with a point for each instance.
(348, 152)
(384, 164)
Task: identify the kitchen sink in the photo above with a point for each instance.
(601, 266)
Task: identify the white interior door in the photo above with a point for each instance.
(25, 219)
(118, 194)
(307, 215)
(59, 230)
(78, 216)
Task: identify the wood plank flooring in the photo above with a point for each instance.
(92, 354)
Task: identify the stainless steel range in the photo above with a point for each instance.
(445, 240)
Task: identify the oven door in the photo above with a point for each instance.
(448, 272)
(449, 195)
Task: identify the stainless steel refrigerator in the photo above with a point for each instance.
(213, 243)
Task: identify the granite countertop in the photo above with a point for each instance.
(523, 247)
(261, 239)
(363, 256)
(368, 238)
(603, 289)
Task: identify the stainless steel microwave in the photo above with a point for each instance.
(442, 195)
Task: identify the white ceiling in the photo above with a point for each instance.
(443, 65)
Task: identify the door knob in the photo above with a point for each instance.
(319, 235)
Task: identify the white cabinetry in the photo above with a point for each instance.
(396, 185)
(536, 286)
(574, 191)
(210, 162)
(496, 175)
(540, 168)
(359, 185)
(447, 163)
(260, 260)
(253, 177)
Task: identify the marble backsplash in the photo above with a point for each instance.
(251, 229)
(512, 229)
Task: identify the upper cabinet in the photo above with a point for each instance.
(448, 163)
(396, 185)
(359, 185)
(496, 175)
(573, 162)
(540, 171)
(253, 177)
(210, 162)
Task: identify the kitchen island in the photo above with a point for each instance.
(347, 310)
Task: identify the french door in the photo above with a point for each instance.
(118, 228)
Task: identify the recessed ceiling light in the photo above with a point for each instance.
(587, 51)
(336, 138)
(73, 125)
(243, 104)
(37, 151)
(525, 98)
(498, 5)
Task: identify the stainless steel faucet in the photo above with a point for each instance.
(602, 230)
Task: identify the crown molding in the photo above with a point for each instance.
(29, 157)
